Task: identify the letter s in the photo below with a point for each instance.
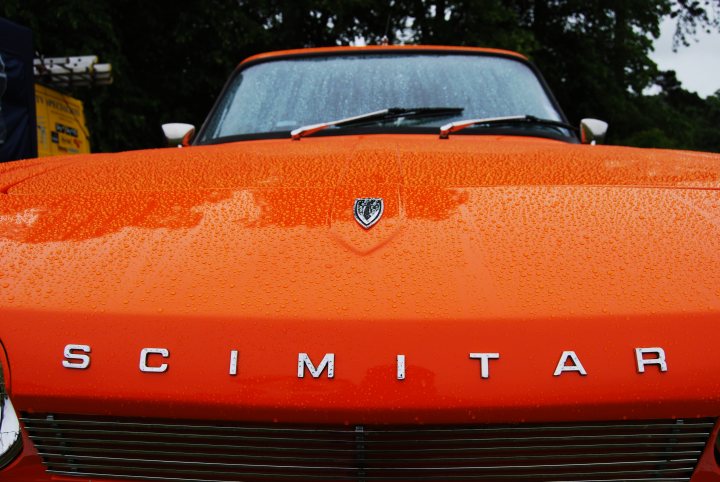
(81, 361)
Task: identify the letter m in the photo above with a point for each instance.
(305, 362)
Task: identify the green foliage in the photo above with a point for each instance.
(676, 119)
(171, 58)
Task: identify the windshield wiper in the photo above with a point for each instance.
(447, 129)
(385, 114)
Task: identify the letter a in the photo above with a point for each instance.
(563, 367)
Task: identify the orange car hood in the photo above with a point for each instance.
(522, 246)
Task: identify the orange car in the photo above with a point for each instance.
(370, 264)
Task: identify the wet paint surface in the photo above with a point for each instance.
(517, 246)
(508, 228)
(525, 247)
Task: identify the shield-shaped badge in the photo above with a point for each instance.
(368, 211)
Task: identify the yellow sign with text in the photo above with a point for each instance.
(60, 123)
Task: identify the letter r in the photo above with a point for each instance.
(659, 359)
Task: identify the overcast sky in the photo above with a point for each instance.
(697, 66)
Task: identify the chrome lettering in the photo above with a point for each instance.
(327, 361)
(659, 359)
(485, 362)
(146, 352)
(400, 367)
(78, 357)
(233, 362)
(83, 361)
(562, 366)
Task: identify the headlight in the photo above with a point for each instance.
(10, 439)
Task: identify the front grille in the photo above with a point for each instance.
(659, 450)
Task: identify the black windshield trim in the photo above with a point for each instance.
(358, 53)
(361, 131)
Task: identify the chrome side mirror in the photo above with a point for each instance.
(592, 131)
(178, 134)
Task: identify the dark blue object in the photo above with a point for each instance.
(18, 131)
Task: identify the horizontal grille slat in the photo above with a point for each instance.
(134, 449)
(288, 466)
(183, 479)
(218, 476)
(369, 441)
(507, 429)
(321, 468)
(46, 450)
(618, 446)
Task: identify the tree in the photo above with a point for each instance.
(170, 60)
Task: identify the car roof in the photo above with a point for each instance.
(380, 48)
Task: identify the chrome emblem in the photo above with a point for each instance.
(368, 211)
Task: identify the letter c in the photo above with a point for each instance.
(146, 352)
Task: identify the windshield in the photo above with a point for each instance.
(282, 95)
